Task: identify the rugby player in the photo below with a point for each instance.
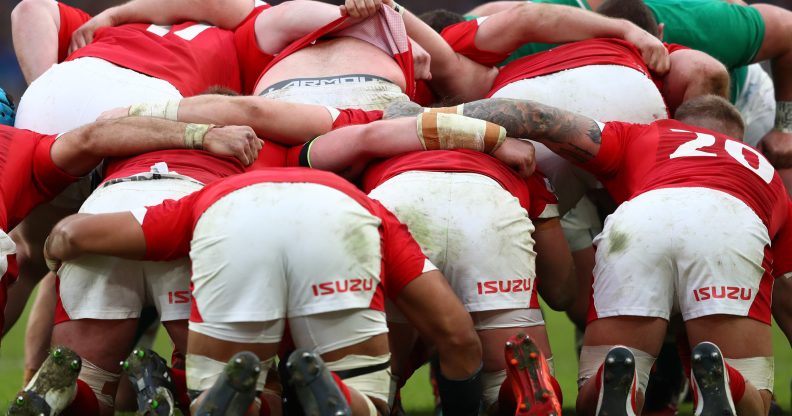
(136, 62)
(45, 164)
(494, 263)
(672, 176)
(735, 34)
(333, 304)
(366, 61)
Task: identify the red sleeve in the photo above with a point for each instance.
(673, 47)
(168, 228)
(351, 116)
(610, 155)
(402, 257)
(782, 246)
(544, 203)
(252, 60)
(462, 38)
(71, 18)
(49, 179)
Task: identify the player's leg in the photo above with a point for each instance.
(727, 302)
(216, 386)
(746, 345)
(633, 294)
(239, 295)
(38, 329)
(353, 344)
(102, 345)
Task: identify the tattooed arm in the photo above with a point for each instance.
(568, 134)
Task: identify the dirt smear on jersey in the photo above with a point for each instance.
(618, 241)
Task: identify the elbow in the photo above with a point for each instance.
(63, 240)
(715, 79)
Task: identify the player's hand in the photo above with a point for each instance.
(119, 112)
(236, 141)
(360, 8)
(653, 52)
(421, 61)
(777, 148)
(520, 155)
(85, 33)
(53, 264)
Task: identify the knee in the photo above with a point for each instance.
(463, 340)
(29, 10)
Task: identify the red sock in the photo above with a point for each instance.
(343, 387)
(598, 387)
(265, 409)
(557, 390)
(736, 383)
(180, 385)
(506, 400)
(84, 403)
(598, 379)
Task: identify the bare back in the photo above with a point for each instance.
(339, 56)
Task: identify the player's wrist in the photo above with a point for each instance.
(783, 117)
(194, 135)
(168, 110)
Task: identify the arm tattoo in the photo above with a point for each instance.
(402, 109)
(566, 133)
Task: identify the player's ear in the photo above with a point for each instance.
(660, 27)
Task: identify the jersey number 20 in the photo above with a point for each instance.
(735, 149)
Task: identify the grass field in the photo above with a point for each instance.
(417, 395)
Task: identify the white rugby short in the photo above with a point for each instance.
(581, 224)
(756, 102)
(106, 287)
(275, 250)
(474, 231)
(695, 249)
(601, 92)
(74, 93)
(373, 94)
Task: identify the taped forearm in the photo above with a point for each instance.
(783, 118)
(443, 131)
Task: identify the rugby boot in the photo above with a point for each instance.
(316, 389)
(710, 381)
(529, 377)
(52, 388)
(235, 389)
(153, 382)
(618, 382)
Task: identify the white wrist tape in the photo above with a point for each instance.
(194, 135)
(443, 131)
(168, 110)
(783, 118)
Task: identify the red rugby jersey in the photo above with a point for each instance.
(30, 177)
(637, 158)
(190, 56)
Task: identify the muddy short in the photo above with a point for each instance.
(695, 250)
(474, 231)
